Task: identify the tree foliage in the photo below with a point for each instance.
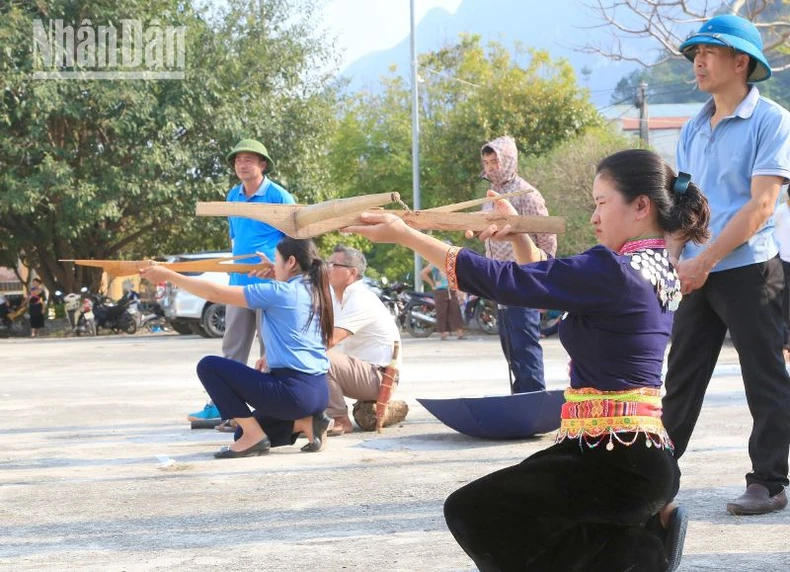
(664, 24)
(113, 169)
(469, 94)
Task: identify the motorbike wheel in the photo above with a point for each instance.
(214, 321)
(128, 324)
(549, 322)
(416, 327)
(85, 326)
(486, 316)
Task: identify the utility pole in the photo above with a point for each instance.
(415, 141)
(641, 105)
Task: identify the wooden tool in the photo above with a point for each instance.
(294, 219)
(340, 213)
(119, 268)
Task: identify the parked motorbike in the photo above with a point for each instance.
(79, 311)
(151, 316)
(480, 312)
(419, 314)
(413, 311)
(14, 319)
(394, 298)
(114, 316)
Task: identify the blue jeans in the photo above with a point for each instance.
(519, 333)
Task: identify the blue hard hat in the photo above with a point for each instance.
(733, 32)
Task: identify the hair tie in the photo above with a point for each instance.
(681, 184)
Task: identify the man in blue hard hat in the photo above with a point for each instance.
(737, 150)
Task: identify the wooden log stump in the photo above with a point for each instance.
(365, 414)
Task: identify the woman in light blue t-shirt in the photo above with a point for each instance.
(291, 397)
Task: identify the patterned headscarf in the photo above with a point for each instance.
(505, 180)
(504, 177)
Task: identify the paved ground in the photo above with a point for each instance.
(99, 471)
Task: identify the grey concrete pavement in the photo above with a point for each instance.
(100, 471)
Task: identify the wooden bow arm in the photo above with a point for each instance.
(119, 268)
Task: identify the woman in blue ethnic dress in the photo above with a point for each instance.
(599, 498)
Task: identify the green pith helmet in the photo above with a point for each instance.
(251, 146)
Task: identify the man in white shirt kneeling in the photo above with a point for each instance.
(365, 332)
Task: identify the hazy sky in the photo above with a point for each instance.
(363, 26)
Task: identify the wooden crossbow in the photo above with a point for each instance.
(306, 221)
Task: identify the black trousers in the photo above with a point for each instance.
(747, 301)
(567, 508)
(279, 397)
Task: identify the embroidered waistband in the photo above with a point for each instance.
(592, 416)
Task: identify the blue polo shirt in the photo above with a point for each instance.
(290, 342)
(249, 236)
(753, 141)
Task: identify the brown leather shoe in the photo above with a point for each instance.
(756, 501)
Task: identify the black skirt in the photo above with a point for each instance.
(568, 508)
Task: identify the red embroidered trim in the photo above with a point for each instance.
(634, 245)
(449, 267)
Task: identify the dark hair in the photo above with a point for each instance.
(488, 150)
(306, 255)
(637, 172)
(354, 258)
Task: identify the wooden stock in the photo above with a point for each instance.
(314, 214)
(476, 222)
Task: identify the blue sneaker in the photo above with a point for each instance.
(209, 412)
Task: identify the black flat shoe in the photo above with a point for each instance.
(259, 448)
(675, 537)
(320, 426)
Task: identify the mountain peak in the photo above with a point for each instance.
(532, 24)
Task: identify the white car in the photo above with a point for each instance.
(190, 314)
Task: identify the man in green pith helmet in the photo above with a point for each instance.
(251, 162)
